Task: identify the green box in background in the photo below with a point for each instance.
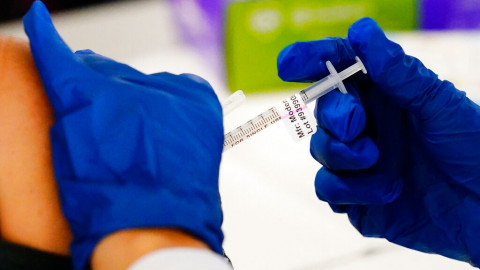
(256, 31)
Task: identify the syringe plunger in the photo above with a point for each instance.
(332, 81)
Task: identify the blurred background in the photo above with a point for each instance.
(272, 217)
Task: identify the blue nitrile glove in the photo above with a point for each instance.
(401, 152)
(130, 150)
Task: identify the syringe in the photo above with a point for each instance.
(294, 105)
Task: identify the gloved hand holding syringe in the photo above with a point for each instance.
(300, 122)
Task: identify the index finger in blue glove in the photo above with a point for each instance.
(54, 60)
(163, 81)
(107, 66)
(113, 69)
(341, 114)
(306, 61)
(404, 78)
(190, 86)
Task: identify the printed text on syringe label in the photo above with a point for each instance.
(298, 119)
(251, 128)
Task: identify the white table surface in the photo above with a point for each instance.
(272, 217)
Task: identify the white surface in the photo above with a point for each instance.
(272, 217)
(181, 259)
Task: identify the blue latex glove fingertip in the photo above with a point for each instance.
(340, 114)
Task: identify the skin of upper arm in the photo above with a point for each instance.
(30, 212)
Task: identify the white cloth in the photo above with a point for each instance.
(181, 259)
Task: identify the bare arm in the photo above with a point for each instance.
(30, 211)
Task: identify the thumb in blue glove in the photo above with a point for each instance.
(130, 150)
(400, 154)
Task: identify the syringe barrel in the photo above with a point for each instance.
(318, 89)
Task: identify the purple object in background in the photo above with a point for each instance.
(450, 14)
(201, 23)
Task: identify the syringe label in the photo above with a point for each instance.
(298, 119)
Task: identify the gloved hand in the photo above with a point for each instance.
(130, 150)
(401, 152)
